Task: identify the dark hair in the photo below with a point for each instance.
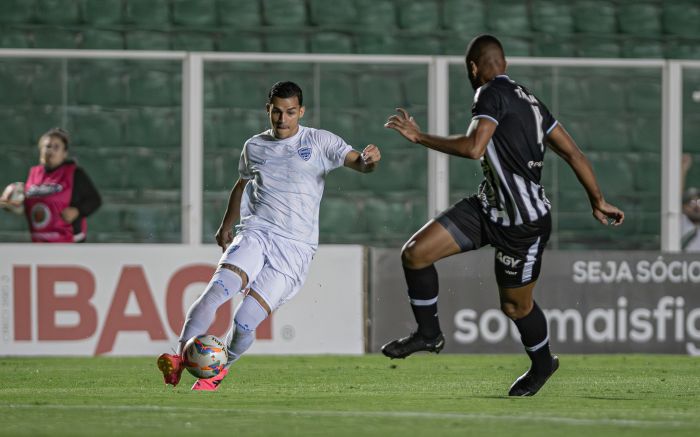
(59, 133)
(481, 45)
(285, 90)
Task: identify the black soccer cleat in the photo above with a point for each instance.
(415, 342)
(529, 383)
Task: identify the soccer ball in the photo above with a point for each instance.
(204, 356)
(13, 198)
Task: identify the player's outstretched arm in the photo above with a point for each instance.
(472, 145)
(364, 162)
(224, 236)
(563, 145)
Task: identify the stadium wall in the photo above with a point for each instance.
(596, 302)
(131, 300)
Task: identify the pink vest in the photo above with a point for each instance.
(47, 194)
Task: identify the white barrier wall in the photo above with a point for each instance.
(131, 300)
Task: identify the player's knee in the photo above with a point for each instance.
(412, 257)
(238, 271)
(515, 310)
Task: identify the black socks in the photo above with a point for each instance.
(423, 291)
(533, 333)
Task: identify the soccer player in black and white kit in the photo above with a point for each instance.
(508, 133)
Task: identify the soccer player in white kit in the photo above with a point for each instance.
(277, 198)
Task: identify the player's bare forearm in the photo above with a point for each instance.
(457, 145)
(364, 162)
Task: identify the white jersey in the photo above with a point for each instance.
(286, 180)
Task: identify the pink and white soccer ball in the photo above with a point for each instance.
(205, 356)
(13, 197)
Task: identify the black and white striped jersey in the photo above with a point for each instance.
(511, 193)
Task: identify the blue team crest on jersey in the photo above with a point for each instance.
(232, 249)
(305, 153)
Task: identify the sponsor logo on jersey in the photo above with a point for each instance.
(305, 153)
(533, 164)
(507, 260)
(40, 215)
(44, 190)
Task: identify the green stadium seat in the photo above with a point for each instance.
(595, 17)
(416, 86)
(571, 201)
(644, 95)
(339, 215)
(221, 168)
(647, 48)
(241, 89)
(508, 18)
(17, 11)
(394, 217)
(95, 128)
(150, 13)
(15, 128)
(147, 40)
(420, 45)
(331, 42)
(338, 90)
(60, 12)
(154, 171)
(376, 14)
(193, 42)
(107, 169)
(14, 39)
(102, 12)
(676, 49)
(154, 127)
(43, 118)
(14, 224)
(552, 17)
(343, 181)
(465, 176)
(15, 165)
(226, 129)
(238, 13)
(551, 47)
(691, 135)
(102, 40)
(201, 13)
(241, 42)
(325, 13)
(641, 19)
(15, 83)
(153, 223)
(380, 90)
(595, 47)
(681, 18)
(402, 170)
(464, 16)
(645, 134)
(108, 218)
(285, 13)
(608, 133)
(419, 16)
(377, 43)
(151, 88)
(48, 38)
(99, 86)
(514, 46)
(282, 43)
(647, 171)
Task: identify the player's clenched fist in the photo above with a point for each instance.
(371, 154)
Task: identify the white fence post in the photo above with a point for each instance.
(192, 148)
(438, 124)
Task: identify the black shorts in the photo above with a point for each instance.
(518, 248)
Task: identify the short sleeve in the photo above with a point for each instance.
(333, 149)
(548, 120)
(488, 103)
(243, 168)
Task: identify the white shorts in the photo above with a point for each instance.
(276, 266)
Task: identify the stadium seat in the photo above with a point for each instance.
(241, 42)
(645, 134)
(402, 170)
(380, 89)
(394, 218)
(102, 40)
(416, 88)
(147, 40)
(149, 13)
(193, 42)
(15, 128)
(95, 128)
(647, 171)
(641, 19)
(377, 43)
(376, 14)
(14, 39)
(324, 13)
(339, 215)
(153, 223)
(152, 171)
(552, 17)
(681, 18)
(554, 47)
(154, 127)
(331, 42)
(107, 168)
(59, 12)
(464, 16)
(344, 181)
(99, 86)
(241, 89)
(596, 47)
(420, 45)
(17, 11)
(465, 176)
(102, 12)
(595, 17)
(515, 46)
(14, 228)
(644, 95)
(15, 83)
(48, 38)
(691, 134)
(679, 49)
(419, 16)
(607, 133)
(15, 166)
(284, 12)
(642, 48)
(338, 90)
(282, 43)
(508, 18)
(108, 218)
(150, 88)
(42, 118)
(226, 129)
(201, 13)
(236, 12)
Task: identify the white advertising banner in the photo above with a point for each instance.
(131, 299)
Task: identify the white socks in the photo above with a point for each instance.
(242, 334)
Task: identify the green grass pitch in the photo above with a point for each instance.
(460, 395)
